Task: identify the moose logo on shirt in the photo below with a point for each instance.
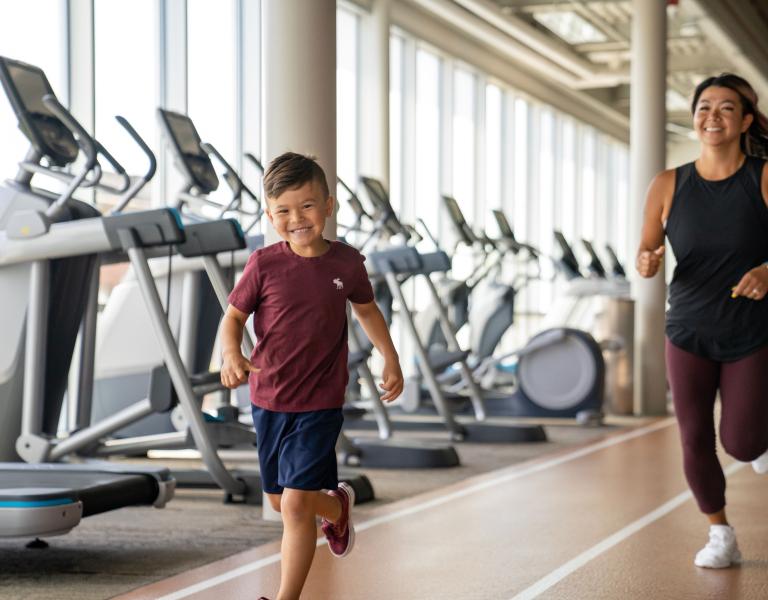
(339, 284)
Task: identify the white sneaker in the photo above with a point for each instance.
(721, 551)
(760, 464)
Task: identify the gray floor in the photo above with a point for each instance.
(113, 553)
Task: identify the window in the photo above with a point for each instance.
(568, 198)
(521, 169)
(588, 184)
(427, 164)
(127, 82)
(546, 193)
(346, 94)
(621, 235)
(346, 107)
(26, 36)
(494, 154)
(212, 78)
(396, 122)
(463, 188)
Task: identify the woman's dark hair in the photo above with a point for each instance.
(755, 140)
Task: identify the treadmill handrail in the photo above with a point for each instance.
(138, 182)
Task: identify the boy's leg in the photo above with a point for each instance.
(340, 533)
(328, 506)
(299, 509)
(274, 501)
(307, 464)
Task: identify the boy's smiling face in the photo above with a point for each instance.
(299, 215)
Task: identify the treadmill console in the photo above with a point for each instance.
(25, 86)
(462, 227)
(158, 227)
(567, 259)
(595, 264)
(504, 227)
(383, 208)
(616, 268)
(193, 161)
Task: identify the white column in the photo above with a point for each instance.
(81, 63)
(647, 157)
(299, 85)
(373, 137)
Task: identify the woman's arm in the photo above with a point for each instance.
(657, 205)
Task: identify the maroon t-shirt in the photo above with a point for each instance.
(299, 308)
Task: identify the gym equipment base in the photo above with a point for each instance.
(393, 454)
(475, 431)
(199, 479)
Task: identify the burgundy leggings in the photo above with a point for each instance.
(743, 421)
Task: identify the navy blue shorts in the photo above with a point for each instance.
(297, 450)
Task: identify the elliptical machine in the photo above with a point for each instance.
(560, 372)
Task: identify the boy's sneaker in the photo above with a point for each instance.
(721, 551)
(760, 464)
(341, 535)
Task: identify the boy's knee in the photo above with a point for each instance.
(298, 505)
(274, 501)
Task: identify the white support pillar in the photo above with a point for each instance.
(299, 85)
(647, 157)
(82, 63)
(373, 137)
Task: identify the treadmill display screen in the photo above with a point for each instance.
(567, 258)
(26, 86)
(595, 265)
(462, 227)
(32, 86)
(185, 134)
(455, 211)
(193, 160)
(379, 194)
(504, 226)
(382, 207)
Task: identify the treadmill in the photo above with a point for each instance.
(46, 254)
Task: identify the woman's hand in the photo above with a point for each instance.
(648, 261)
(753, 285)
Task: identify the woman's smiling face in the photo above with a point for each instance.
(719, 117)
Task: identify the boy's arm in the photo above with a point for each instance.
(235, 366)
(370, 318)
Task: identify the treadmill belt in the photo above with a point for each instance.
(99, 492)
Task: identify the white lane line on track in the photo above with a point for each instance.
(582, 559)
(517, 474)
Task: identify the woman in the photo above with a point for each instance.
(714, 212)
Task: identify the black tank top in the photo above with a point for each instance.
(718, 231)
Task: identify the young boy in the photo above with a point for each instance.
(298, 291)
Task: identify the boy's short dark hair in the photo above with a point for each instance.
(290, 171)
